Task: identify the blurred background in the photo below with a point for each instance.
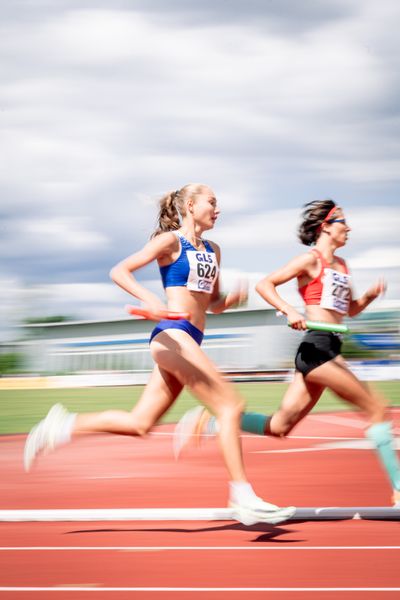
(105, 106)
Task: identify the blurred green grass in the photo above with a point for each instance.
(21, 409)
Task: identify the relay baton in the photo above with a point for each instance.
(322, 326)
(165, 314)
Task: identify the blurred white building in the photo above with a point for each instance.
(244, 343)
(242, 340)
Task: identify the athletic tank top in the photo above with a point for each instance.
(330, 289)
(197, 270)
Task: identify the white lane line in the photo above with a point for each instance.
(131, 476)
(289, 450)
(292, 437)
(345, 421)
(188, 514)
(184, 548)
(118, 514)
(198, 589)
(254, 435)
(318, 437)
(359, 444)
(336, 420)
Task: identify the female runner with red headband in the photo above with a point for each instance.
(189, 268)
(324, 283)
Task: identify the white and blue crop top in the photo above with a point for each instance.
(197, 270)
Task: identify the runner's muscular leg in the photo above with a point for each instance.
(160, 392)
(379, 398)
(176, 352)
(336, 376)
(300, 397)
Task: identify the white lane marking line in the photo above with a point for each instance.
(318, 437)
(335, 420)
(357, 445)
(352, 444)
(118, 514)
(184, 548)
(181, 514)
(298, 437)
(254, 435)
(131, 476)
(345, 421)
(290, 450)
(198, 589)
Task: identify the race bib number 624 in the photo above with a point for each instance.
(203, 271)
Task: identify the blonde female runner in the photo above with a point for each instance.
(189, 267)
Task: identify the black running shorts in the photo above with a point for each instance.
(317, 348)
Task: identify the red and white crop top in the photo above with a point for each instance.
(330, 289)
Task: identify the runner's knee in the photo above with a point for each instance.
(142, 425)
(282, 429)
(229, 409)
(281, 426)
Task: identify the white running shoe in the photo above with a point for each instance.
(258, 511)
(45, 435)
(190, 428)
(33, 445)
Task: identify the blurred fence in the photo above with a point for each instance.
(247, 345)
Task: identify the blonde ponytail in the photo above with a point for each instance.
(168, 215)
(172, 207)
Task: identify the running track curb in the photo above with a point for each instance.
(192, 514)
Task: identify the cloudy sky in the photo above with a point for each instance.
(107, 104)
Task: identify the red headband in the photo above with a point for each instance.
(327, 218)
(330, 213)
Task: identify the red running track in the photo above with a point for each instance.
(159, 559)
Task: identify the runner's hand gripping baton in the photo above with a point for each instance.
(321, 325)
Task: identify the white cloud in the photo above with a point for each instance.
(279, 227)
(373, 224)
(103, 109)
(359, 168)
(52, 236)
(377, 258)
(266, 230)
(69, 233)
(97, 37)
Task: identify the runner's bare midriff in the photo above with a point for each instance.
(315, 313)
(180, 299)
